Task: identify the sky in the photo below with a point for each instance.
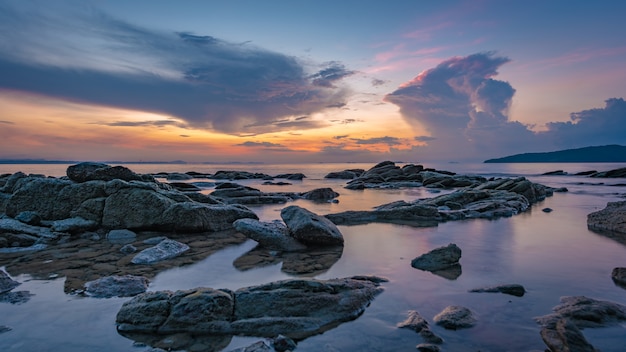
(285, 81)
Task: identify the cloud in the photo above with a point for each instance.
(463, 108)
(424, 138)
(390, 141)
(155, 123)
(599, 126)
(327, 77)
(7, 122)
(378, 82)
(90, 57)
(340, 137)
(259, 144)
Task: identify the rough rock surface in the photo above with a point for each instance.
(438, 259)
(90, 171)
(510, 289)
(455, 317)
(621, 172)
(348, 174)
(416, 322)
(295, 308)
(320, 194)
(612, 218)
(165, 249)
(6, 283)
(561, 329)
(310, 228)
(117, 286)
(271, 235)
(619, 276)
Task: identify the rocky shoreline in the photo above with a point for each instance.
(108, 231)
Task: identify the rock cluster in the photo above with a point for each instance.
(294, 308)
(416, 322)
(233, 193)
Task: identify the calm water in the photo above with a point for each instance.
(551, 254)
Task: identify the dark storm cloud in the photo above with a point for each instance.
(89, 57)
(379, 140)
(327, 77)
(598, 126)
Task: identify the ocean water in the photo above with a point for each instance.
(550, 254)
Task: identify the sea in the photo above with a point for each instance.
(552, 254)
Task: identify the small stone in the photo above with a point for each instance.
(128, 249)
(282, 343)
(6, 283)
(455, 317)
(547, 210)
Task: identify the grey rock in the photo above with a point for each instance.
(154, 240)
(166, 249)
(185, 187)
(11, 181)
(427, 347)
(417, 323)
(6, 283)
(15, 297)
(615, 173)
(4, 328)
(297, 308)
(17, 240)
(259, 346)
(198, 217)
(121, 236)
(128, 249)
(90, 171)
(512, 289)
(611, 218)
(283, 343)
(29, 217)
(175, 176)
(14, 226)
(116, 286)
(438, 259)
(455, 317)
(310, 228)
(345, 174)
(565, 336)
(271, 235)
(585, 312)
(619, 276)
(73, 225)
(134, 208)
(320, 194)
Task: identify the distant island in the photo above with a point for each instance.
(597, 154)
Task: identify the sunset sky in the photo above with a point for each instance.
(309, 81)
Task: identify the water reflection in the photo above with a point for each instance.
(312, 262)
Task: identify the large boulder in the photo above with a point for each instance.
(611, 218)
(320, 194)
(295, 308)
(438, 259)
(310, 228)
(270, 235)
(90, 171)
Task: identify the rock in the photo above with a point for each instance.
(310, 228)
(416, 322)
(166, 249)
(6, 283)
(197, 217)
(121, 236)
(345, 174)
(271, 235)
(29, 217)
(4, 328)
(117, 286)
(512, 289)
(619, 277)
(240, 175)
(128, 249)
(13, 226)
(11, 181)
(585, 312)
(296, 176)
(407, 214)
(427, 347)
(73, 225)
(615, 173)
(185, 187)
(176, 176)
(438, 259)
(255, 347)
(320, 194)
(283, 343)
(547, 210)
(611, 218)
(17, 240)
(238, 194)
(555, 173)
(17, 297)
(90, 171)
(565, 336)
(455, 317)
(296, 308)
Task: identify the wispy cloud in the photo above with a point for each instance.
(259, 144)
(390, 141)
(154, 123)
(7, 122)
(90, 57)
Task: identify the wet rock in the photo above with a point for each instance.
(547, 210)
(565, 336)
(15, 297)
(615, 173)
(271, 235)
(427, 347)
(90, 171)
(6, 283)
(283, 343)
(619, 277)
(259, 346)
(73, 225)
(13, 226)
(4, 328)
(320, 194)
(294, 176)
(295, 308)
(176, 176)
(555, 173)
(238, 194)
(166, 249)
(438, 259)
(312, 261)
(29, 217)
(416, 322)
(345, 174)
(121, 236)
(117, 286)
(310, 228)
(611, 218)
(185, 187)
(128, 249)
(512, 289)
(585, 312)
(401, 213)
(455, 317)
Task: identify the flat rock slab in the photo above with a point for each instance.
(295, 308)
(165, 249)
(117, 286)
(511, 289)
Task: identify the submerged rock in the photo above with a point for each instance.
(565, 336)
(585, 312)
(512, 289)
(294, 308)
(416, 322)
